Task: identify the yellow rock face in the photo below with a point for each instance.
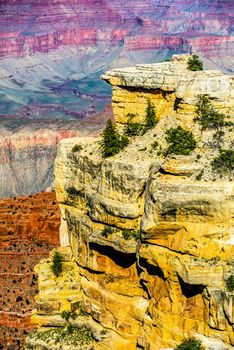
(146, 238)
(134, 101)
(171, 87)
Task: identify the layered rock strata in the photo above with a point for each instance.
(171, 87)
(28, 150)
(146, 237)
(29, 228)
(40, 27)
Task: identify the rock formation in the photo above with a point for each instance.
(46, 26)
(146, 235)
(28, 149)
(51, 54)
(29, 228)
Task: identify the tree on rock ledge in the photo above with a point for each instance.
(112, 143)
(194, 63)
(150, 118)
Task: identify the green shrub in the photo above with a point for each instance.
(70, 329)
(194, 63)
(199, 176)
(207, 116)
(181, 142)
(108, 230)
(67, 336)
(150, 118)
(134, 129)
(83, 312)
(76, 148)
(230, 283)
(124, 141)
(57, 264)
(190, 344)
(224, 162)
(154, 145)
(66, 315)
(129, 234)
(112, 143)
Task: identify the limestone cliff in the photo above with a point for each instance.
(146, 236)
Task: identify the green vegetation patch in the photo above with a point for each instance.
(65, 336)
(108, 230)
(224, 162)
(190, 344)
(112, 142)
(194, 63)
(134, 129)
(207, 116)
(150, 118)
(129, 234)
(57, 264)
(76, 148)
(230, 283)
(181, 142)
(67, 315)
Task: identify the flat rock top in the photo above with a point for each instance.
(172, 76)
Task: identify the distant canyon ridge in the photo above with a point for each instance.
(53, 53)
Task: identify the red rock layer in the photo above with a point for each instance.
(28, 26)
(29, 229)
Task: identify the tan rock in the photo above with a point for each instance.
(154, 292)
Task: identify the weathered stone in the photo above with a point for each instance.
(149, 291)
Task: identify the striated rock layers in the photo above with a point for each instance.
(28, 150)
(146, 237)
(39, 27)
(29, 229)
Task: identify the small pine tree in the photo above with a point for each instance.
(57, 266)
(112, 143)
(181, 142)
(207, 116)
(194, 63)
(150, 119)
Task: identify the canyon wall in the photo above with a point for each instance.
(29, 228)
(43, 27)
(28, 149)
(146, 236)
(53, 53)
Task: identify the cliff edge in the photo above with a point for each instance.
(147, 234)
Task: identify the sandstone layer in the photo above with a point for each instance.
(146, 237)
(29, 228)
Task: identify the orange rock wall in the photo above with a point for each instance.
(28, 231)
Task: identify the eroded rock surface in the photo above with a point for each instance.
(28, 231)
(147, 241)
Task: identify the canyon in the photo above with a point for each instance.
(43, 27)
(29, 229)
(28, 149)
(47, 48)
(52, 55)
(146, 236)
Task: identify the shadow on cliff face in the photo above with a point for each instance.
(121, 259)
(190, 290)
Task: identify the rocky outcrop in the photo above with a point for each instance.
(146, 237)
(171, 87)
(29, 228)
